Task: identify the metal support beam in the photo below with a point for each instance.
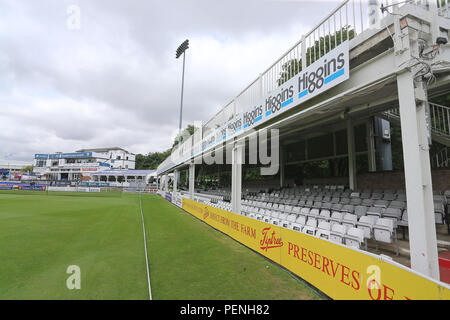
(191, 181)
(175, 181)
(419, 189)
(236, 176)
(166, 182)
(282, 166)
(351, 155)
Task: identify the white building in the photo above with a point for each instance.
(80, 164)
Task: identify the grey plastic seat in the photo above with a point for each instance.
(439, 212)
(389, 196)
(355, 201)
(398, 204)
(381, 203)
(360, 211)
(335, 200)
(348, 208)
(376, 196)
(375, 211)
(394, 213)
(326, 205)
(317, 205)
(367, 202)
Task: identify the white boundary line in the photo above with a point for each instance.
(145, 246)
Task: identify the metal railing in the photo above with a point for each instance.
(439, 118)
(350, 18)
(444, 8)
(441, 159)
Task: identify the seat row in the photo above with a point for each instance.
(345, 229)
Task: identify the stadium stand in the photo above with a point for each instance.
(331, 212)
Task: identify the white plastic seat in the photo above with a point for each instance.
(285, 224)
(282, 216)
(304, 211)
(354, 237)
(324, 215)
(310, 227)
(313, 213)
(275, 221)
(336, 217)
(323, 230)
(301, 220)
(296, 227)
(291, 218)
(350, 220)
(383, 230)
(275, 214)
(366, 224)
(337, 233)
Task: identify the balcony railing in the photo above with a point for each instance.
(350, 18)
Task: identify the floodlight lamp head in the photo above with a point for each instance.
(182, 48)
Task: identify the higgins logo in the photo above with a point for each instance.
(269, 241)
(284, 98)
(251, 117)
(329, 71)
(209, 141)
(234, 126)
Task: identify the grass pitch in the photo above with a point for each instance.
(41, 235)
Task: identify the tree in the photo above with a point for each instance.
(319, 49)
(189, 131)
(152, 160)
(28, 169)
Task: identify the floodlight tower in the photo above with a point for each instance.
(181, 51)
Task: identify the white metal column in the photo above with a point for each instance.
(351, 155)
(282, 164)
(419, 189)
(236, 176)
(191, 181)
(166, 182)
(175, 181)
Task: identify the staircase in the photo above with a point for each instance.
(441, 159)
(439, 121)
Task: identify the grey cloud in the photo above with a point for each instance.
(120, 66)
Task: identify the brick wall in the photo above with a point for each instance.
(396, 180)
(387, 180)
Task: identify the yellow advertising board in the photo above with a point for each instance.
(338, 271)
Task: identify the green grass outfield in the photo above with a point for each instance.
(42, 234)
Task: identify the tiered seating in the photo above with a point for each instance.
(336, 214)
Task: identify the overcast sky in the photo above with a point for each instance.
(111, 77)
